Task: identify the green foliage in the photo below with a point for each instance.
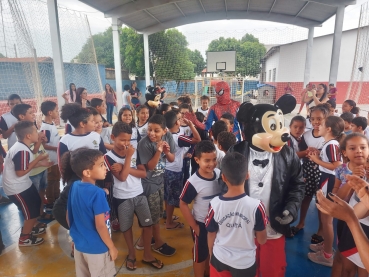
(2, 56)
(248, 49)
(169, 56)
(103, 43)
(132, 51)
(197, 60)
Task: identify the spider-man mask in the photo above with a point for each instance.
(222, 93)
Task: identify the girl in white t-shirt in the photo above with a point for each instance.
(328, 160)
(70, 95)
(126, 115)
(126, 98)
(143, 119)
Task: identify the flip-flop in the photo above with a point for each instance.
(133, 261)
(153, 262)
(295, 230)
(179, 225)
(175, 217)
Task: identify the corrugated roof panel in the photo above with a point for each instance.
(289, 7)
(139, 20)
(318, 12)
(261, 5)
(214, 5)
(165, 12)
(190, 7)
(237, 5)
(105, 5)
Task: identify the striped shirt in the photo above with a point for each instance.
(17, 158)
(330, 153)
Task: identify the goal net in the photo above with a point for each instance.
(26, 63)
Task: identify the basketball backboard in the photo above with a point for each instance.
(224, 61)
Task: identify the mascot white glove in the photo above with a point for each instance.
(286, 219)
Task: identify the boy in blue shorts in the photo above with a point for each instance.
(233, 221)
(173, 176)
(18, 186)
(200, 188)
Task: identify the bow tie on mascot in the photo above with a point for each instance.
(265, 133)
(223, 105)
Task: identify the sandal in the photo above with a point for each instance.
(174, 218)
(153, 263)
(315, 239)
(165, 250)
(179, 225)
(46, 216)
(133, 261)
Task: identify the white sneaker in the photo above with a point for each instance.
(319, 258)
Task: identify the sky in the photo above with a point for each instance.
(98, 23)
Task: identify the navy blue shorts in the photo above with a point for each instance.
(326, 183)
(200, 249)
(28, 201)
(172, 187)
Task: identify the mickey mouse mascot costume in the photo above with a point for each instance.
(275, 176)
(223, 105)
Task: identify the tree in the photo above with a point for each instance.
(2, 56)
(103, 43)
(169, 56)
(132, 51)
(197, 60)
(249, 52)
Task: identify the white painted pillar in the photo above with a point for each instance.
(336, 48)
(309, 56)
(117, 63)
(52, 6)
(147, 61)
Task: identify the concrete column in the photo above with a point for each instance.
(309, 56)
(336, 48)
(117, 63)
(52, 6)
(147, 61)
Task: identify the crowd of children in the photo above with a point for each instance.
(141, 165)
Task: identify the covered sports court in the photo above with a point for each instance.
(147, 17)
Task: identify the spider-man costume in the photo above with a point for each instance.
(224, 105)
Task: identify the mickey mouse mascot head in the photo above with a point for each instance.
(152, 100)
(275, 176)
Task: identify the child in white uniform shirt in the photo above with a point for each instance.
(233, 221)
(18, 186)
(51, 113)
(200, 188)
(8, 120)
(128, 198)
(216, 129)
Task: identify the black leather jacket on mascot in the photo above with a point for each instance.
(264, 131)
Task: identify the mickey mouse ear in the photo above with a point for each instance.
(286, 103)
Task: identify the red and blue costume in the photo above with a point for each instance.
(224, 105)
